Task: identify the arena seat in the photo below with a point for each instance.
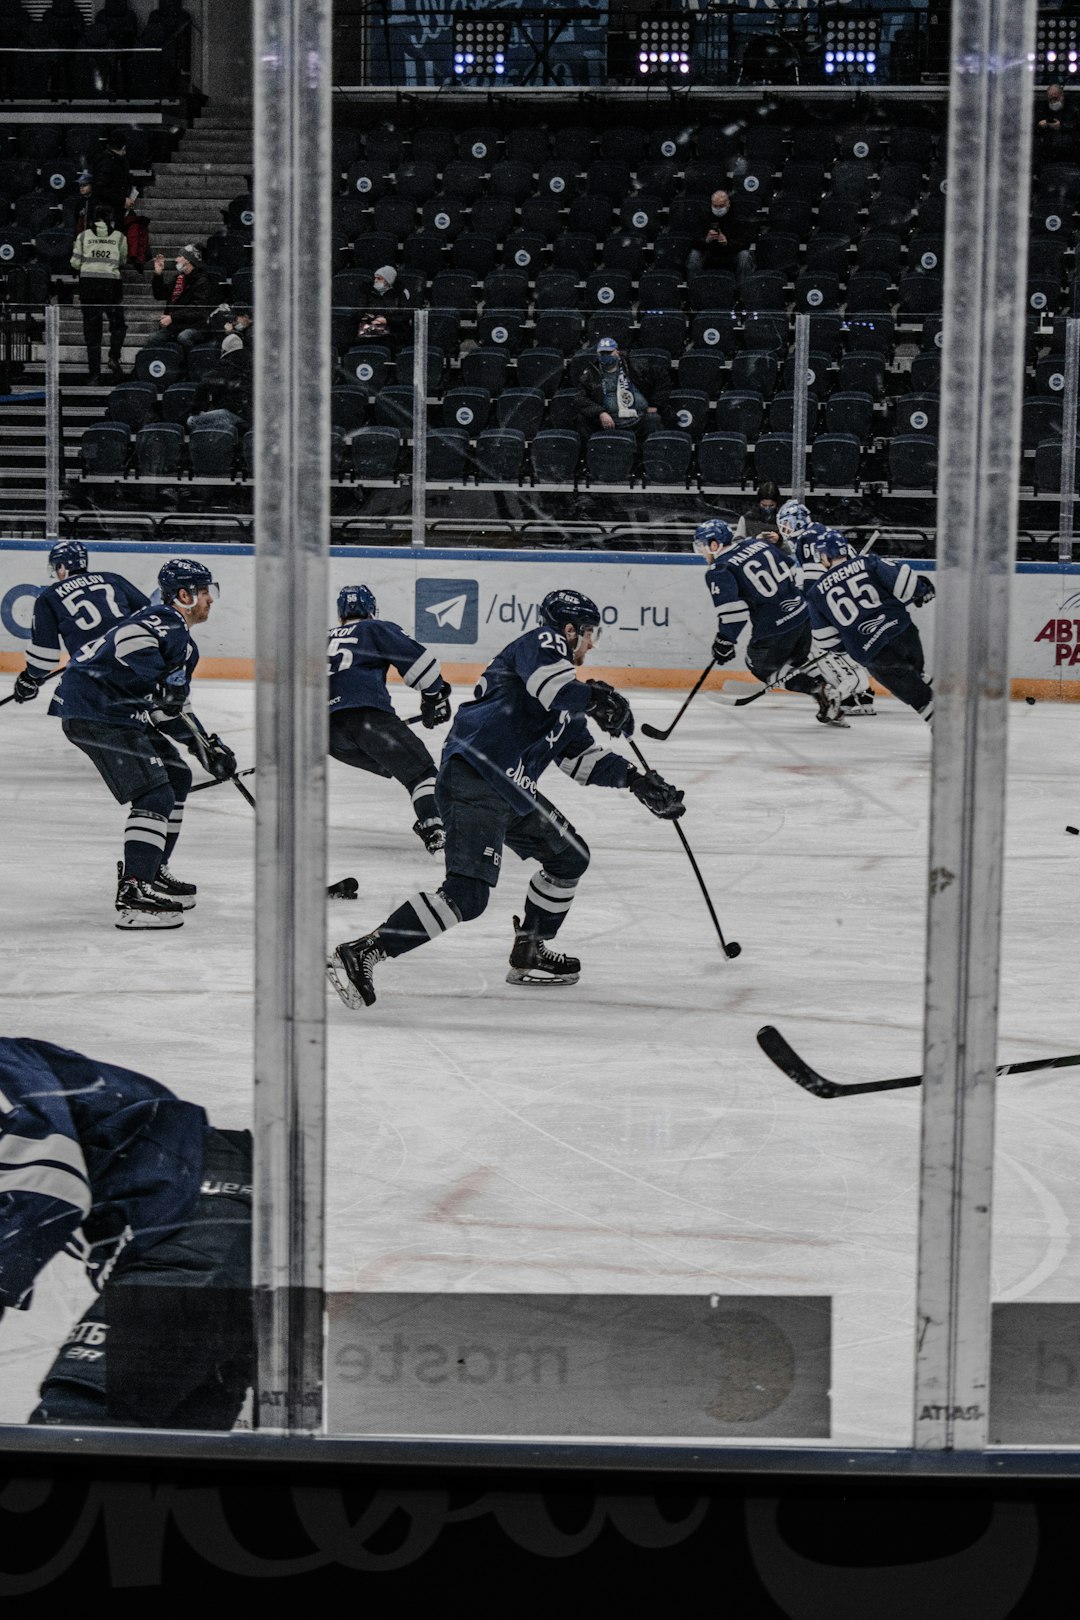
(689, 408)
(348, 408)
(375, 452)
(521, 408)
(178, 402)
(475, 252)
(721, 458)
(834, 459)
(862, 372)
(467, 408)
(212, 451)
(739, 411)
(104, 447)
(366, 364)
(850, 411)
(485, 368)
(558, 329)
(540, 368)
(609, 456)
(780, 416)
(665, 457)
(827, 253)
(702, 369)
(157, 449)
(159, 364)
(913, 461)
(755, 369)
(524, 250)
(772, 458)
(447, 454)
(499, 455)
(1046, 468)
(501, 329)
(133, 403)
(574, 251)
(554, 454)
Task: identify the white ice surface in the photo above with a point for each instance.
(624, 1135)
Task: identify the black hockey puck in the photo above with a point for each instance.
(1030, 700)
(1075, 830)
(733, 949)
(344, 889)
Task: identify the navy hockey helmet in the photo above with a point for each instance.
(71, 555)
(184, 574)
(560, 608)
(792, 519)
(713, 532)
(356, 602)
(830, 545)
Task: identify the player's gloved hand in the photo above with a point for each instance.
(655, 794)
(723, 650)
(924, 592)
(170, 694)
(26, 688)
(435, 705)
(219, 758)
(609, 709)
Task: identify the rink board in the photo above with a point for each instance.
(658, 620)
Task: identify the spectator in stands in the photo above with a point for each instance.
(222, 399)
(15, 32)
(725, 243)
(378, 324)
(621, 391)
(97, 260)
(64, 26)
(111, 177)
(761, 517)
(121, 24)
(169, 28)
(1055, 131)
(186, 296)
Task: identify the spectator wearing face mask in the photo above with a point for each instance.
(724, 243)
(761, 517)
(186, 296)
(1055, 128)
(615, 390)
(379, 323)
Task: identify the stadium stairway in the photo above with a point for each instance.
(211, 166)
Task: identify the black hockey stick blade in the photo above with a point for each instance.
(662, 736)
(50, 677)
(785, 1057)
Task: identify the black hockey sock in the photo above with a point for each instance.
(423, 917)
(546, 903)
(422, 794)
(145, 835)
(176, 821)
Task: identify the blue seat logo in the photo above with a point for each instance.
(447, 609)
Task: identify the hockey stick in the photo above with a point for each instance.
(662, 736)
(775, 1047)
(217, 781)
(871, 542)
(50, 677)
(731, 949)
(778, 680)
(197, 731)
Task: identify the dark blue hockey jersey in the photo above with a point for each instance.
(361, 652)
(75, 611)
(94, 1159)
(807, 567)
(529, 713)
(859, 605)
(755, 581)
(112, 680)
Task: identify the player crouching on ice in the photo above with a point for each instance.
(529, 711)
(120, 700)
(364, 730)
(753, 580)
(858, 604)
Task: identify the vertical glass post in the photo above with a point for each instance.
(292, 95)
(989, 151)
(798, 424)
(52, 421)
(419, 456)
(1068, 440)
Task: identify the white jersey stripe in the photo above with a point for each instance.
(423, 672)
(579, 767)
(50, 1182)
(906, 582)
(29, 1149)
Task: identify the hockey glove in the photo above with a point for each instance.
(655, 794)
(170, 694)
(435, 706)
(924, 592)
(26, 688)
(609, 709)
(723, 650)
(218, 758)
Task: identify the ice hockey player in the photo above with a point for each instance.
(797, 536)
(860, 605)
(79, 607)
(529, 711)
(753, 580)
(364, 730)
(108, 1166)
(121, 700)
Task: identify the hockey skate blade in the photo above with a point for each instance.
(335, 972)
(149, 919)
(187, 901)
(532, 980)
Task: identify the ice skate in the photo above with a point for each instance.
(173, 889)
(532, 963)
(860, 703)
(345, 888)
(829, 708)
(351, 970)
(432, 833)
(139, 905)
